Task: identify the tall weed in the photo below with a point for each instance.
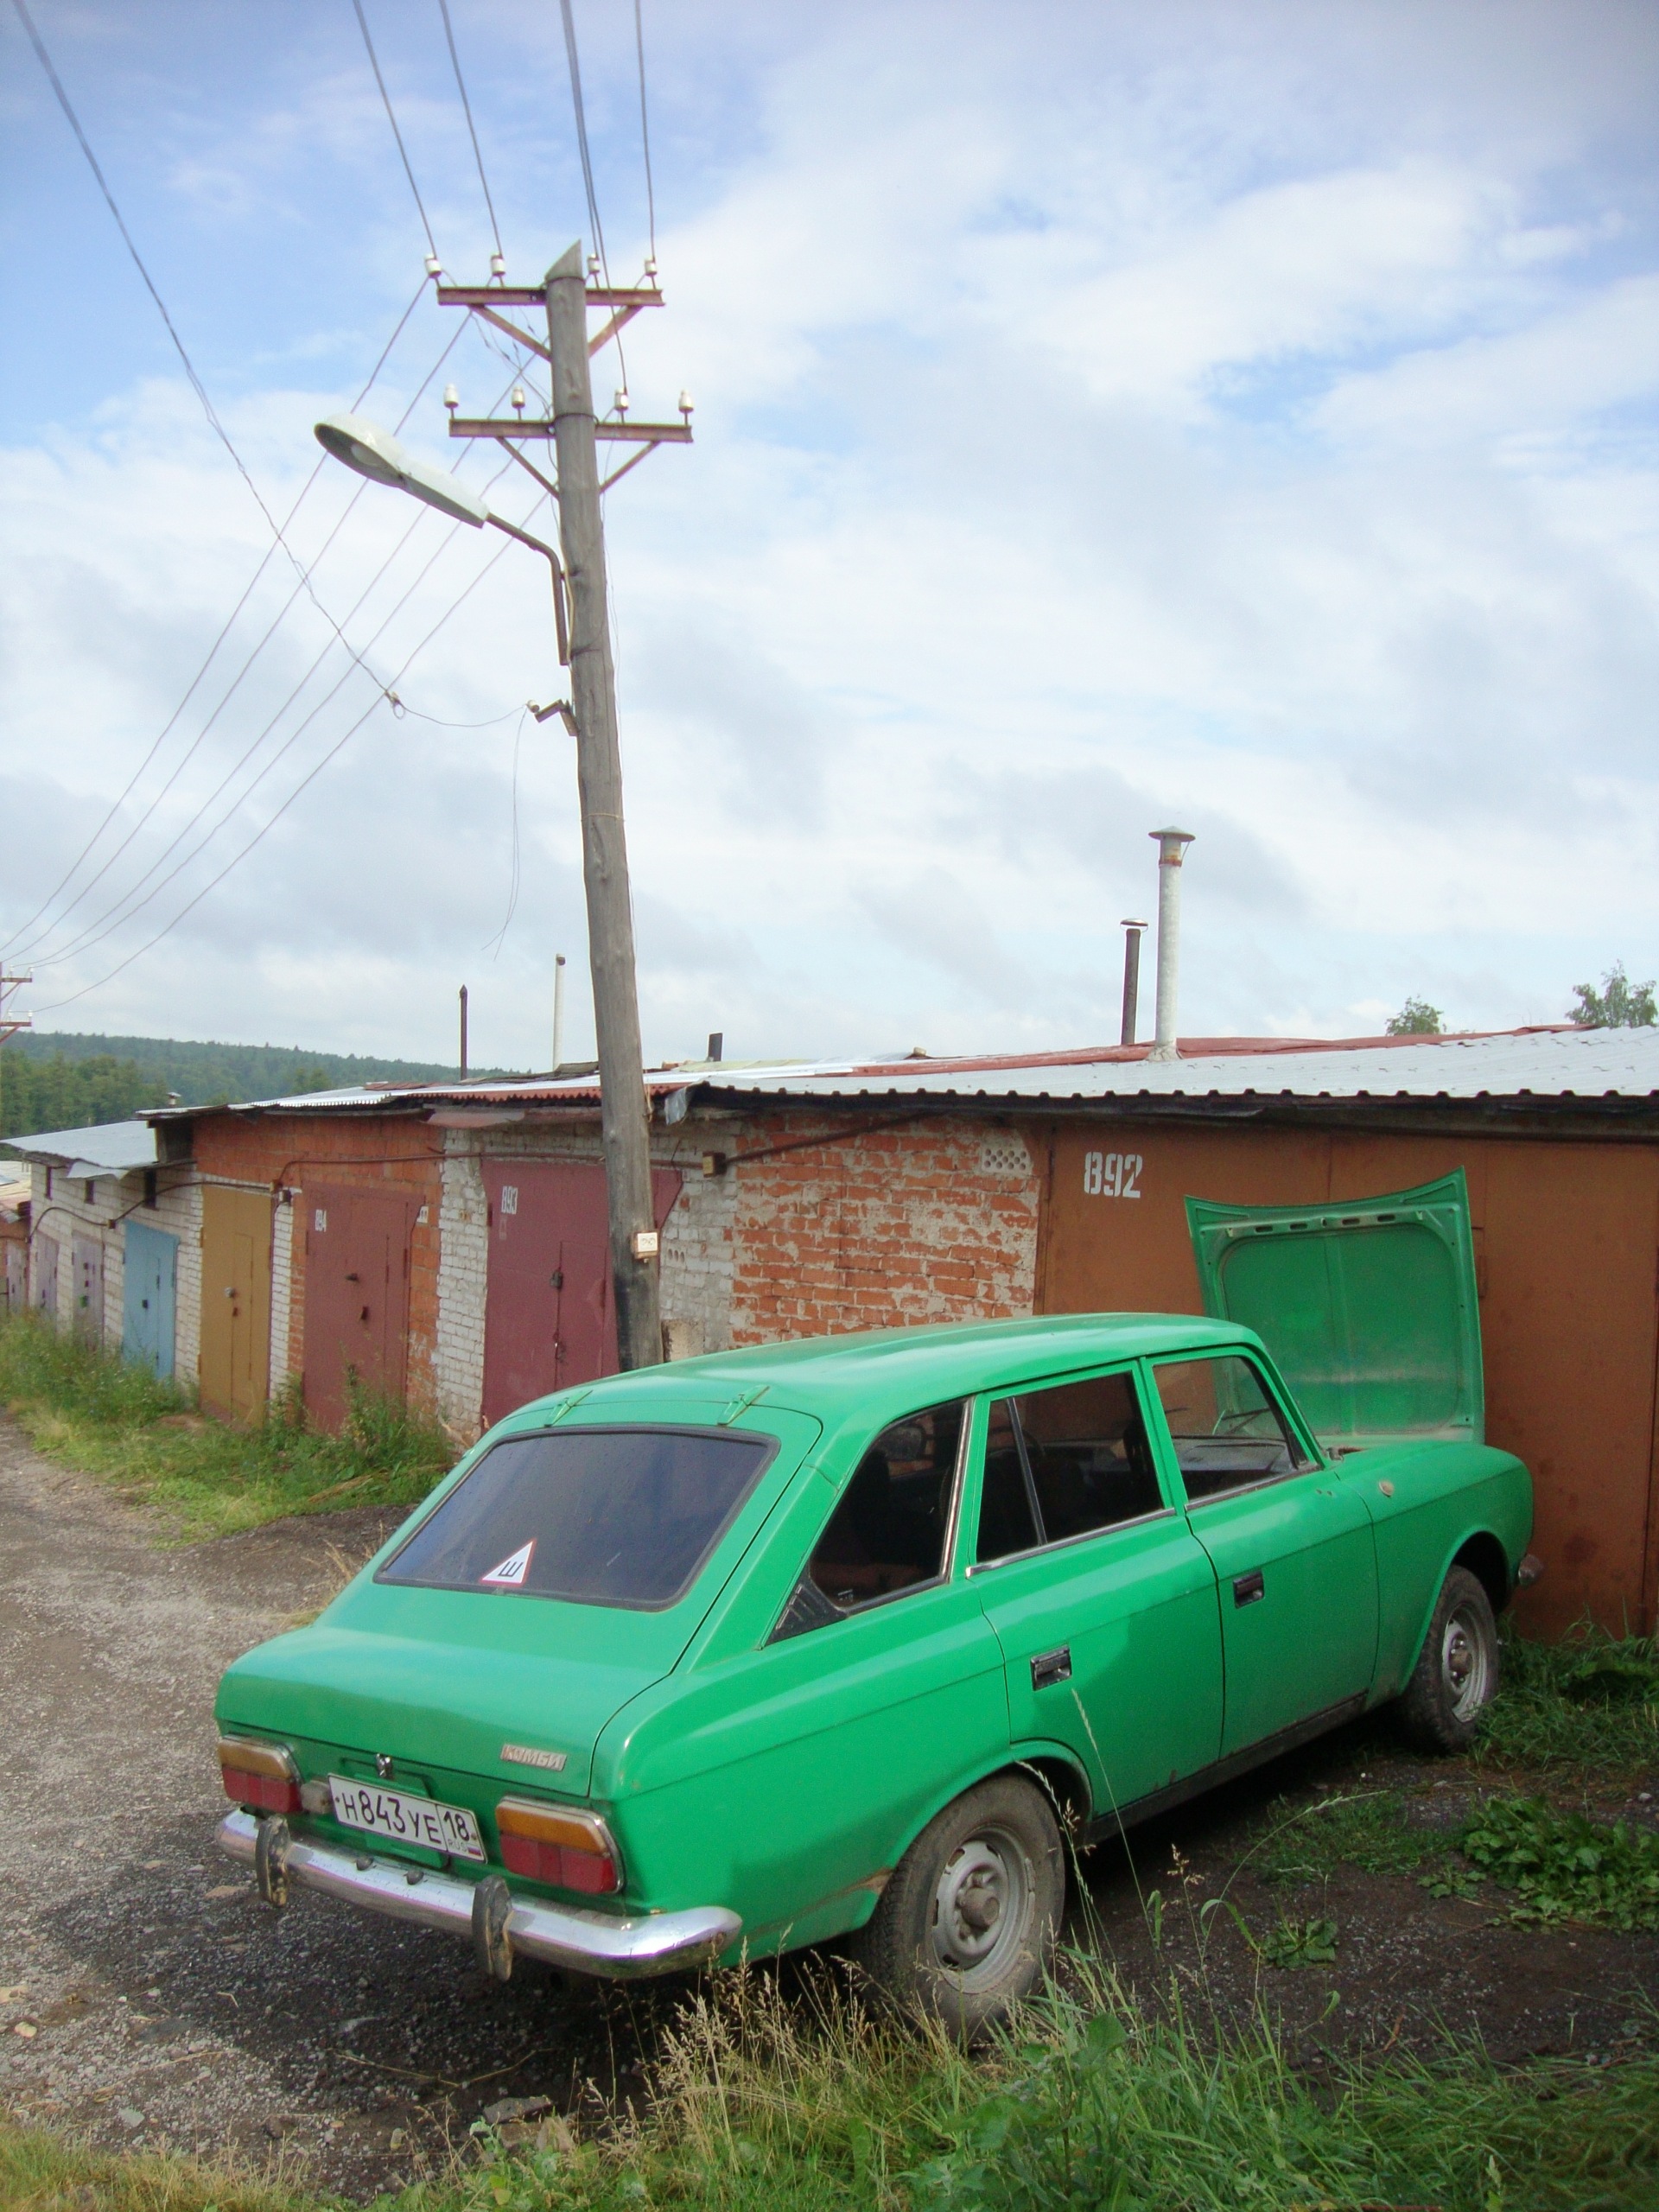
(1587, 1704)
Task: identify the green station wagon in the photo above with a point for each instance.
(848, 1637)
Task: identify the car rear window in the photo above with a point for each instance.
(601, 1516)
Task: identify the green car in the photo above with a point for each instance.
(852, 1636)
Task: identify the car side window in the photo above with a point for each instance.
(889, 1531)
(1064, 1462)
(1227, 1431)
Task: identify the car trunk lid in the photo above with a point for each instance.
(1370, 1307)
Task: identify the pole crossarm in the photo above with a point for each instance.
(516, 426)
(487, 299)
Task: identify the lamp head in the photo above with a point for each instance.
(372, 452)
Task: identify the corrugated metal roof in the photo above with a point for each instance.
(108, 1148)
(1543, 1064)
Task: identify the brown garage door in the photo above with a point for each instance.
(356, 1295)
(549, 1316)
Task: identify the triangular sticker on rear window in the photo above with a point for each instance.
(512, 1570)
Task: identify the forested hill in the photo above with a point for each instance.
(61, 1080)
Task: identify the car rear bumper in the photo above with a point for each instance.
(565, 1935)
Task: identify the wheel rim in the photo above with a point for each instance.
(982, 1906)
(1465, 1665)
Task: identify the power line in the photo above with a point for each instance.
(196, 384)
(59, 1004)
(402, 152)
(467, 109)
(236, 682)
(581, 134)
(112, 917)
(644, 127)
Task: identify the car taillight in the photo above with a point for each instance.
(261, 1775)
(567, 1850)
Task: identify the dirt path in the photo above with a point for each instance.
(168, 2007)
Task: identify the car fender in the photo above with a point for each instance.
(1032, 1755)
(1477, 1530)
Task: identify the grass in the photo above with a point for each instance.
(85, 1407)
(769, 2100)
(1585, 1706)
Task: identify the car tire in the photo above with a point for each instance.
(1456, 1675)
(967, 1926)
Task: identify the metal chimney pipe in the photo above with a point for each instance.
(558, 1012)
(463, 1029)
(1133, 932)
(1172, 851)
(716, 1044)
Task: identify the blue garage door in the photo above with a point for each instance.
(152, 1275)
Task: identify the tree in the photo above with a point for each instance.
(1620, 1004)
(1417, 1019)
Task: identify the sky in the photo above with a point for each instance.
(1105, 416)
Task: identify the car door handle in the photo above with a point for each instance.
(1247, 1588)
(1050, 1667)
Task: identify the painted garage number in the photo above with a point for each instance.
(1112, 1174)
(509, 1197)
(319, 1219)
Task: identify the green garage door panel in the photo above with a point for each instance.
(148, 1297)
(1369, 1308)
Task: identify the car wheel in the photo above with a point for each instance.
(967, 1926)
(1457, 1671)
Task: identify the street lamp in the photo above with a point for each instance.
(374, 453)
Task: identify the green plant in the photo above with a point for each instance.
(1417, 1019)
(1311, 1942)
(1564, 1866)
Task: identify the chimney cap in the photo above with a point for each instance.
(1129, 922)
(1185, 835)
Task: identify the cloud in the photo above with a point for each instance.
(1104, 415)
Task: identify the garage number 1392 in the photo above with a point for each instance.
(1112, 1174)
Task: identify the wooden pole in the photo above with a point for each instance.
(624, 1132)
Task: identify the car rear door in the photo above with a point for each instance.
(1103, 1602)
(1291, 1544)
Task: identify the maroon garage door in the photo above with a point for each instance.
(356, 1295)
(548, 1319)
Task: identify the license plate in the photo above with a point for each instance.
(394, 1814)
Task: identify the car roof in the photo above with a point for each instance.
(828, 1375)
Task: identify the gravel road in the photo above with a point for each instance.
(167, 2004)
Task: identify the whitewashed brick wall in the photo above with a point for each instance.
(282, 1292)
(67, 1214)
(463, 1269)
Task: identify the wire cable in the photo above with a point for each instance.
(402, 152)
(196, 384)
(644, 127)
(20, 950)
(113, 917)
(499, 938)
(467, 109)
(58, 1005)
(581, 135)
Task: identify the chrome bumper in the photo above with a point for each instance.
(565, 1935)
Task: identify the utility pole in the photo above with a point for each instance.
(11, 1024)
(624, 1129)
(565, 297)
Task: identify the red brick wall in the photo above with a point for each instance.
(270, 1148)
(935, 1221)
